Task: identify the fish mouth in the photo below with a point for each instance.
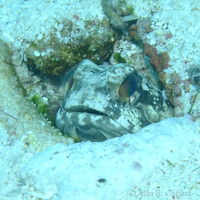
(86, 110)
(102, 128)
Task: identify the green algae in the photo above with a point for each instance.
(41, 105)
(119, 58)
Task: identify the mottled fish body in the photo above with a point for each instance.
(108, 101)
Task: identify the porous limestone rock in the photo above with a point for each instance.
(18, 116)
(51, 36)
(115, 168)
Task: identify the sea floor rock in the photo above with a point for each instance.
(170, 42)
(23, 131)
(118, 168)
(18, 115)
(52, 36)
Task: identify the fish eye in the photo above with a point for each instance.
(69, 79)
(128, 88)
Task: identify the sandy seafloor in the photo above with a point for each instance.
(176, 178)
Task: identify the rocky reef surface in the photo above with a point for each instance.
(52, 36)
(168, 42)
(42, 39)
(119, 168)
